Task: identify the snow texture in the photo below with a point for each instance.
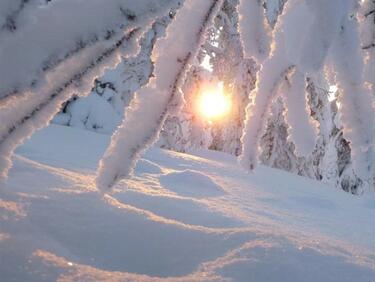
(254, 29)
(325, 26)
(302, 133)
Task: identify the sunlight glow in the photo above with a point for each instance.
(213, 104)
(332, 95)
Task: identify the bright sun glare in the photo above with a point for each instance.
(213, 103)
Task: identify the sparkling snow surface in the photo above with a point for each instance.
(186, 217)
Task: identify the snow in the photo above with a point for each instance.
(254, 29)
(191, 183)
(327, 16)
(301, 131)
(94, 113)
(183, 217)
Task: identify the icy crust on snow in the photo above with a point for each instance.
(268, 226)
(148, 110)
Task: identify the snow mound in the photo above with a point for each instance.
(191, 183)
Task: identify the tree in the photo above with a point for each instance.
(36, 83)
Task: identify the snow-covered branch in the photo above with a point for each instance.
(56, 31)
(356, 102)
(66, 52)
(254, 29)
(26, 113)
(147, 112)
(306, 35)
(301, 131)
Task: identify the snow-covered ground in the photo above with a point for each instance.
(186, 217)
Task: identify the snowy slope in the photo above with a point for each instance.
(186, 217)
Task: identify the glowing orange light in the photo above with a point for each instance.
(213, 103)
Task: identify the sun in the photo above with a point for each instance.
(213, 104)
